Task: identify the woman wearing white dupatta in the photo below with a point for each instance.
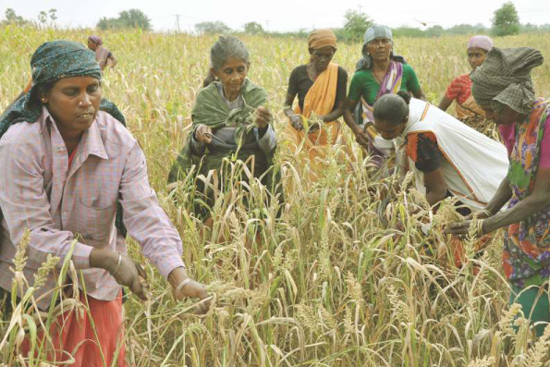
(455, 161)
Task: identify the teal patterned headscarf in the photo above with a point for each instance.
(53, 61)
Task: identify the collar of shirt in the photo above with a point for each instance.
(91, 142)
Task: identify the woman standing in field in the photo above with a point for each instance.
(230, 121)
(447, 157)
(103, 56)
(321, 90)
(460, 88)
(502, 87)
(377, 73)
(69, 166)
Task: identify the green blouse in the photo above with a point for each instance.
(365, 84)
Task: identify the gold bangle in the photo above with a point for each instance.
(183, 284)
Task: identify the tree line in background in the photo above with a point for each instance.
(132, 18)
(504, 22)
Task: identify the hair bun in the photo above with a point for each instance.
(405, 95)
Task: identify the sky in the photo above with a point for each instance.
(280, 15)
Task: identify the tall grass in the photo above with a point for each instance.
(339, 278)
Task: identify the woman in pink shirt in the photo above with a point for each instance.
(68, 168)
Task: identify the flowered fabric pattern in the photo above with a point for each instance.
(526, 255)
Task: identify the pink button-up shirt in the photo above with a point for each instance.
(58, 203)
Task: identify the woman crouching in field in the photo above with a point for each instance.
(502, 86)
(449, 159)
(69, 167)
(230, 123)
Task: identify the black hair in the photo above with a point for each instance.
(393, 108)
(41, 90)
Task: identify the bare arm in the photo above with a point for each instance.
(534, 203)
(436, 187)
(445, 103)
(420, 95)
(295, 119)
(287, 108)
(338, 111)
(538, 200)
(360, 134)
(501, 197)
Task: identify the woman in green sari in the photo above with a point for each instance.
(229, 121)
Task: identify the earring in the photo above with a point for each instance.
(43, 100)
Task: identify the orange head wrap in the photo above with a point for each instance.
(321, 38)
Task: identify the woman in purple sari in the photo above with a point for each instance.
(377, 73)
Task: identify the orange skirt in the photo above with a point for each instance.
(94, 339)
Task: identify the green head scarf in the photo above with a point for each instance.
(53, 61)
(505, 79)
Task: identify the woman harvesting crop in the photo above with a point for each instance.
(321, 90)
(69, 168)
(502, 86)
(230, 121)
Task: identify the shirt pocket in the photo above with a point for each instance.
(96, 223)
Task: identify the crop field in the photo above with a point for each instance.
(344, 276)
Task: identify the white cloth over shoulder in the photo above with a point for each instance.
(474, 164)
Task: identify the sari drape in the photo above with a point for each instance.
(527, 243)
(319, 101)
(474, 164)
(391, 83)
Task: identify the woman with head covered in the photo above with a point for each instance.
(103, 56)
(460, 88)
(74, 176)
(321, 90)
(378, 72)
(503, 88)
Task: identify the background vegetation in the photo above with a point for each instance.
(340, 278)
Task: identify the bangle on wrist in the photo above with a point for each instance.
(117, 265)
(182, 285)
